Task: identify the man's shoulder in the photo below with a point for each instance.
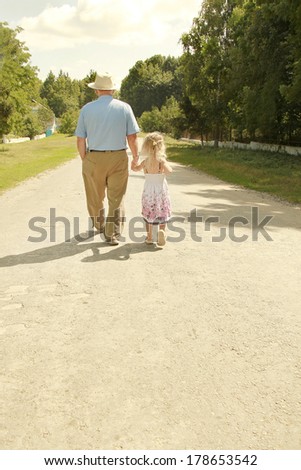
(121, 104)
(89, 105)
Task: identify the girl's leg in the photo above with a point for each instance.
(161, 235)
(149, 233)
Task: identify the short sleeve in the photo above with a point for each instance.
(131, 125)
(80, 130)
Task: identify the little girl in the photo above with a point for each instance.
(156, 208)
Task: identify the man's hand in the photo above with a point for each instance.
(135, 163)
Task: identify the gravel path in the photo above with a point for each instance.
(196, 346)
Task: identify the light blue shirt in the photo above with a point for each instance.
(105, 123)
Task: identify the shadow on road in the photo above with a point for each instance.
(122, 253)
(237, 202)
(73, 247)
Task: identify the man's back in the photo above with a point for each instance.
(105, 123)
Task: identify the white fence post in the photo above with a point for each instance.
(251, 146)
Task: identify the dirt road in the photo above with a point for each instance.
(196, 346)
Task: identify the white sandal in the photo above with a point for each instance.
(161, 238)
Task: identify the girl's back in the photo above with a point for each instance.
(156, 208)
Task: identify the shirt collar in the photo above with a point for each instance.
(105, 97)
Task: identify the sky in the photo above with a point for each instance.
(77, 36)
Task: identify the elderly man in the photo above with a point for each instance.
(104, 128)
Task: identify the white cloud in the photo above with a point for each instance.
(116, 22)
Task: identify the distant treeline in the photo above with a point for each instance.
(239, 78)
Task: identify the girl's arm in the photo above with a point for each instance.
(166, 167)
(138, 167)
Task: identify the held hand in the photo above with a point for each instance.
(134, 164)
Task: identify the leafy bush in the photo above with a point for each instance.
(170, 119)
(68, 122)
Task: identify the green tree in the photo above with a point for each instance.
(151, 121)
(87, 94)
(150, 82)
(194, 120)
(68, 122)
(259, 66)
(169, 119)
(19, 83)
(241, 67)
(62, 93)
(291, 90)
(204, 64)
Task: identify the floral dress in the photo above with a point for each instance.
(156, 207)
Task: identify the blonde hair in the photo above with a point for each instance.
(153, 149)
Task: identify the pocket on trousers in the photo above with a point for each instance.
(125, 165)
(88, 166)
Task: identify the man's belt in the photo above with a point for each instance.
(103, 151)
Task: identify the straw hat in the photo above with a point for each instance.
(103, 82)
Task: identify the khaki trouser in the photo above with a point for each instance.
(106, 172)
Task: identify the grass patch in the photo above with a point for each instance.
(24, 160)
(273, 173)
